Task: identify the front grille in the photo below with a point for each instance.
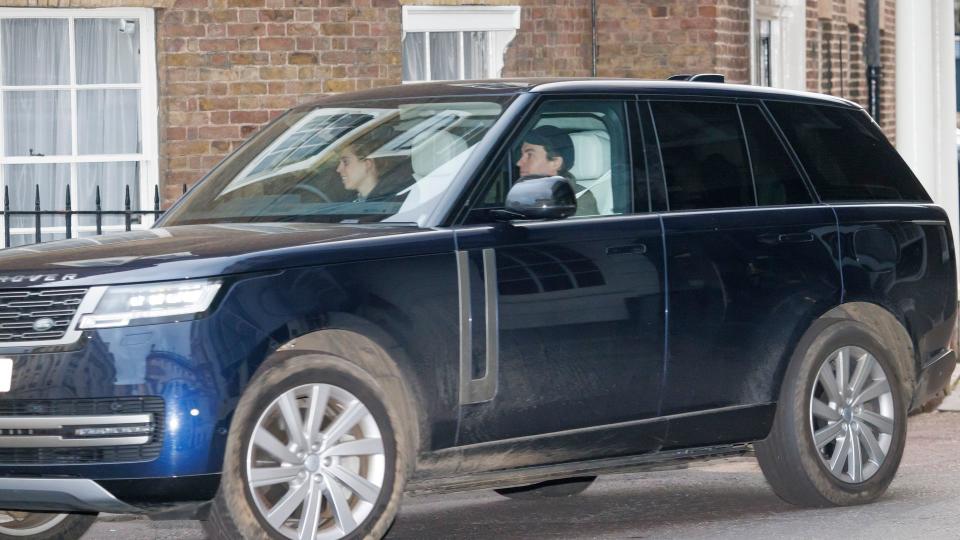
(90, 454)
(21, 309)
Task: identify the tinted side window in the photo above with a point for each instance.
(777, 179)
(704, 158)
(845, 155)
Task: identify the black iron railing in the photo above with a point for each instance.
(128, 213)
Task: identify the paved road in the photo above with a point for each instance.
(719, 500)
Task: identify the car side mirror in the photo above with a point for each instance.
(550, 197)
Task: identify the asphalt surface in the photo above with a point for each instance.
(717, 500)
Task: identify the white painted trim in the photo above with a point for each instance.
(92, 158)
(925, 100)
(460, 18)
(788, 42)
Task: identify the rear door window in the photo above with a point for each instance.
(705, 161)
(845, 155)
(776, 177)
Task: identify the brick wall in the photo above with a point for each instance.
(554, 40)
(227, 66)
(658, 38)
(836, 65)
(654, 39)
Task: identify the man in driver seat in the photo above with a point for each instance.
(548, 151)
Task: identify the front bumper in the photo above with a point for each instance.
(59, 495)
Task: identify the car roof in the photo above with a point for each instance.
(506, 87)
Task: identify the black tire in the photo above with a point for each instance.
(564, 487)
(233, 513)
(72, 527)
(789, 458)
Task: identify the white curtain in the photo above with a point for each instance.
(36, 123)
(444, 56)
(475, 55)
(108, 51)
(35, 51)
(414, 57)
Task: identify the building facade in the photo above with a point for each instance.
(153, 93)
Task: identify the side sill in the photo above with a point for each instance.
(672, 459)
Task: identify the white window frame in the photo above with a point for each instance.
(788, 42)
(148, 158)
(460, 19)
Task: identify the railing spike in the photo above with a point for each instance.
(99, 213)
(68, 214)
(126, 207)
(36, 216)
(6, 216)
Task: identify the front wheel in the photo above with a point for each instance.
(315, 453)
(841, 422)
(43, 525)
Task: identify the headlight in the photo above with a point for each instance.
(127, 305)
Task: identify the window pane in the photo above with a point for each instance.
(108, 121)
(22, 182)
(37, 123)
(444, 54)
(776, 178)
(112, 178)
(108, 51)
(475, 47)
(414, 60)
(846, 156)
(704, 160)
(590, 140)
(35, 51)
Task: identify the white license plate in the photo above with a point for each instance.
(6, 374)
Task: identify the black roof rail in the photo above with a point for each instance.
(700, 77)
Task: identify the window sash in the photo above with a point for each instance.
(147, 91)
(429, 20)
(489, 71)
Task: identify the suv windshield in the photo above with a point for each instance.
(386, 160)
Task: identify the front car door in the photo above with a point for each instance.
(565, 319)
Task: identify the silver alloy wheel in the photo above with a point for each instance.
(852, 416)
(28, 523)
(315, 463)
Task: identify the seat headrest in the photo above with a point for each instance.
(431, 150)
(592, 151)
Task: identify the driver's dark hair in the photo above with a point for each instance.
(556, 142)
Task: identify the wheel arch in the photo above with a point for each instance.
(891, 332)
(343, 334)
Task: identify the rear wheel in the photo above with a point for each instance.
(44, 525)
(313, 455)
(840, 426)
(564, 487)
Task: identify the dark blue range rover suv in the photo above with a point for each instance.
(514, 285)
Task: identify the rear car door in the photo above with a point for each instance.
(751, 259)
(574, 320)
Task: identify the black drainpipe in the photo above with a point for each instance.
(872, 52)
(593, 22)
